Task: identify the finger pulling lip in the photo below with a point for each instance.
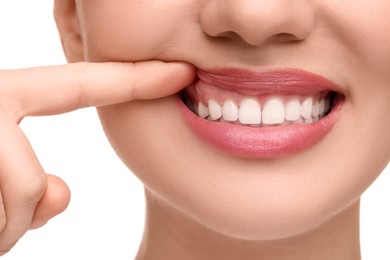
(276, 91)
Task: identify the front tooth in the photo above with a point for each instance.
(293, 110)
(307, 107)
(203, 110)
(230, 111)
(273, 112)
(215, 110)
(249, 112)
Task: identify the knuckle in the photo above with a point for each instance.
(31, 193)
(133, 81)
(8, 103)
(34, 190)
(17, 114)
(80, 69)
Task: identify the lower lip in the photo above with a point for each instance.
(263, 142)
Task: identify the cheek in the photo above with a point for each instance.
(362, 34)
(140, 132)
(154, 143)
(362, 30)
(125, 30)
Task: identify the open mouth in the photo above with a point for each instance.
(266, 115)
(249, 111)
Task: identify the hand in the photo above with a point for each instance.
(28, 196)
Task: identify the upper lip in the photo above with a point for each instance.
(273, 81)
(253, 141)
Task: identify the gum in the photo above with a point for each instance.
(203, 92)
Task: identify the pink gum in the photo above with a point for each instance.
(203, 92)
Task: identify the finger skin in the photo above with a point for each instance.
(22, 181)
(30, 197)
(54, 201)
(60, 89)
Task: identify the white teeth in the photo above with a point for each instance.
(293, 110)
(273, 112)
(230, 111)
(315, 112)
(203, 110)
(215, 110)
(309, 120)
(249, 112)
(307, 107)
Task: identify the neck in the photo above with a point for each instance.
(170, 234)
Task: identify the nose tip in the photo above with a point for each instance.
(256, 22)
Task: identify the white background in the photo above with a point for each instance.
(105, 217)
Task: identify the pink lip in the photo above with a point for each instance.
(263, 142)
(287, 81)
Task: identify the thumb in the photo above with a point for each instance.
(54, 201)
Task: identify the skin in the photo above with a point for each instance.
(260, 209)
(203, 204)
(29, 197)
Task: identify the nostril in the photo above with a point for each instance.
(277, 38)
(230, 36)
(227, 34)
(284, 37)
(257, 22)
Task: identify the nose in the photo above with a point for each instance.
(257, 21)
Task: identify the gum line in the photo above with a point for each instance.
(221, 105)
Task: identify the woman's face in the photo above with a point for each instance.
(241, 179)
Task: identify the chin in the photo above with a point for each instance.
(256, 193)
(258, 214)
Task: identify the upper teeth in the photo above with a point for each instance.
(274, 111)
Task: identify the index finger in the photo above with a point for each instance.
(59, 89)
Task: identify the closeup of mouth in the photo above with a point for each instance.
(261, 114)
